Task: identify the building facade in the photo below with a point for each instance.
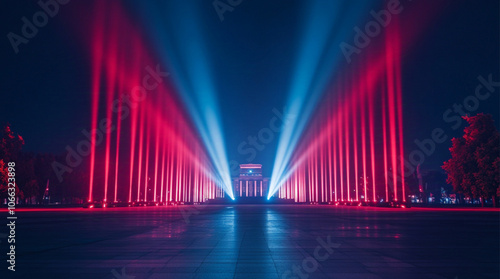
(250, 182)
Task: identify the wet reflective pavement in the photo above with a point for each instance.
(256, 241)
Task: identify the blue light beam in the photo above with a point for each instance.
(326, 25)
(175, 29)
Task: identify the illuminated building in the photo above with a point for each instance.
(250, 183)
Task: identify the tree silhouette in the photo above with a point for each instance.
(10, 146)
(474, 167)
(3, 180)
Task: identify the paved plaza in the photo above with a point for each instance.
(256, 241)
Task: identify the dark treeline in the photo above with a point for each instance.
(34, 173)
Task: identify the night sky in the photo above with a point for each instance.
(45, 86)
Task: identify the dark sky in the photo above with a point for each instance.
(45, 86)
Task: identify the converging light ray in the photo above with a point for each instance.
(159, 139)
(363, 132)
(316, 61)
(192, 74)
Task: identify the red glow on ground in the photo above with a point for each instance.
(109, 209)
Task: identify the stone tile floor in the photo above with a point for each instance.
(256, 241)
